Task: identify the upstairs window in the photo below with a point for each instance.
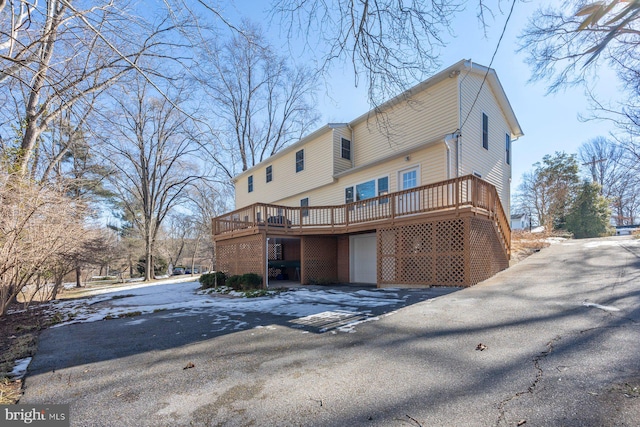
(507, 145)
(346, 149)
(303, 204)
(485, 131)
(250, 183)
(269, 173)
(299, 161)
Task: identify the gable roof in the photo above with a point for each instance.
(464, 65)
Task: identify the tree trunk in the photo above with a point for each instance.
(193, 257)
(148, 250)
(78, 276)
(32, 129)
(56, 287)
(148, 269)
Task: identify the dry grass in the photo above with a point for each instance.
(18, 340)
(525, 243)
(10, 391)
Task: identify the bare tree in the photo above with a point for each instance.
(150, 147)
(391, 45)
(206, 201)
(38, 223)
(604, 161)
(55, 56)
(567, 45)
(261, 103)
(174, 237)
(611, 166)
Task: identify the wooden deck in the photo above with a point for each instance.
(443, 199)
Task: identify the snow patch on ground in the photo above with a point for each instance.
(20, 368)
(601, 307)
(605, 243)
(554, 240)
(144, 298)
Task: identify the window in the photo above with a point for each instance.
(269, 173)
(299, 161)
(346, 149)
(485, 131)
(507, 144)
(250, 182)
(348, 195)
(305, 203)
(410, 179)
(367, 190)
(383, 188)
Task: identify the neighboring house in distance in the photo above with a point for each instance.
(626, 230)
(520, 221)
(420, 202)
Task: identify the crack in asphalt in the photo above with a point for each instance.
(539, 374)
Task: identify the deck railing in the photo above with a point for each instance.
(457, 193)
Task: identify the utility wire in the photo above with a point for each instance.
(504, 29)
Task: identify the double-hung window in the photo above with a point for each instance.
(299, 161)
(346, 149)
(269, 173)
(250, 183)
(485, 131)
(507, 144)
(304, 203)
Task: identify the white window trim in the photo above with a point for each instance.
(508, 158)
(482, 131)
(377, 190)
(418, 168)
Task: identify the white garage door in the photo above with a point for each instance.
(363, 258)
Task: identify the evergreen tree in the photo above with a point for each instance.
(590, 213)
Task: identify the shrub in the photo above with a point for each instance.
(235, 282)
(251, 281)
(212, 280)
(245, 282)
(160, 265)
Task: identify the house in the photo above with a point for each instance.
(626, 230)
(416, 194)
(520, 221)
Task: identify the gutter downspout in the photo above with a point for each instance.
(458, 133)
(468, 64)
(353, 146)
(448, 138)
(266, 276)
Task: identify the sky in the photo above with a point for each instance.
(550, 122)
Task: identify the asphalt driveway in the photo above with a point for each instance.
(552, 341)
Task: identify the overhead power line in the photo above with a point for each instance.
(504, 29)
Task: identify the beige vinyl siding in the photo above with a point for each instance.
(430, 114)
(419, 129)
(340, 164)
(318, 171)
(491, 163)
(431, 161)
